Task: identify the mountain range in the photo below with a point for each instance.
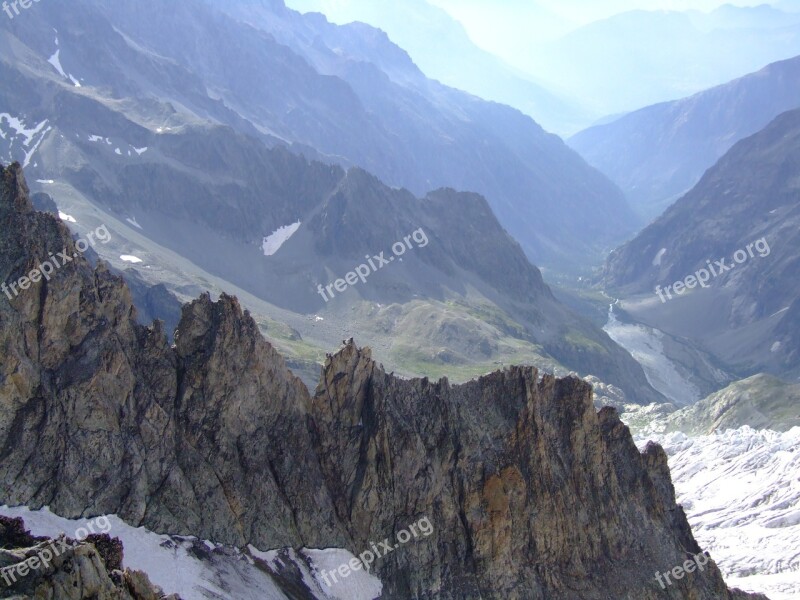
(269, 294)
(658, 153)
(346, 95)
(695, 273)
(198, 199)
(442, 49)
(641, 57)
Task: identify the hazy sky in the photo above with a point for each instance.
(502, 25)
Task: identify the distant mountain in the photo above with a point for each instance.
(737, 230)
(209, 200)
(775, 15)
(441, 48)
(343, 94)
(286, 230)
(639, 58)
(658, 153)
(439, 136)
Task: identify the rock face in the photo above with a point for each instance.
(80, 570)
(530, 489)
(530, 492)
(100, 414)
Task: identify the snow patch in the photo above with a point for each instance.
(273, 242)
(140, 151)
(658, 257)
(130, 258)
(172, 562)
(66, 217)
(55, 60)
(14, 129)
(132, 221)
(359, 585)
(775, 347)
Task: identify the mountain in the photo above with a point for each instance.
(736, 230)
(527, 490)
(216, 204)
(343, 94)
(640, 57)
(658, 153)
(442, 49)
(760, 402)
(208, 201)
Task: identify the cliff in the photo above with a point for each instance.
(530, 491)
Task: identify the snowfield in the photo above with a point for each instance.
(741, 492)
(21, 141)
(202, 570)
(273, 242)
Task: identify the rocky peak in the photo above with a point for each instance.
(528, 487)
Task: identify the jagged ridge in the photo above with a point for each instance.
(529, 489)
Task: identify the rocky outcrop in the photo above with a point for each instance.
(530, 491)
(100, 415)
(65, 569)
